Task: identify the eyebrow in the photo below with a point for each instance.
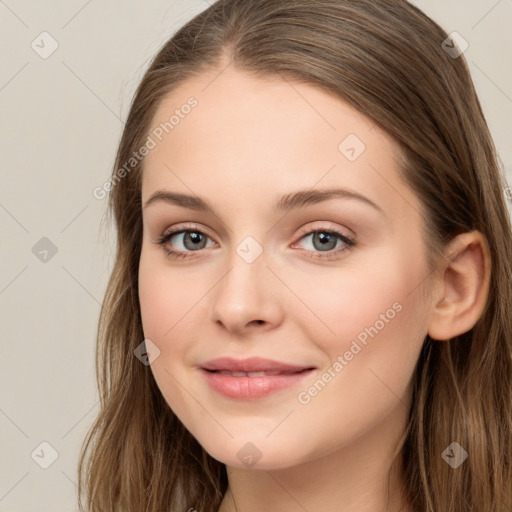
(286, 203)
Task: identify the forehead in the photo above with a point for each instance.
(268, 135)
(273, 109)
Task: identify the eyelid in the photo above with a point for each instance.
(186, 227)
(305, 230)
(322, 226)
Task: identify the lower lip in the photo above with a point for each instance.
(246, 388)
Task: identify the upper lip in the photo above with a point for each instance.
(252, 364)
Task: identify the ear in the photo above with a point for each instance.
(461, 296)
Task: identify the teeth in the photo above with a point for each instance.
(253, 374)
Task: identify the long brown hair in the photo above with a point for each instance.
(387, 60)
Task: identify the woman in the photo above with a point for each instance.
(273, 370)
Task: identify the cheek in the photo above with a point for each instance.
(373, 315)
(375, 321)
(167, 302)
(370, 358)
(345, 302)
(166, 297)
(172, 305)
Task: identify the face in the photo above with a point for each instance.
(325, 287)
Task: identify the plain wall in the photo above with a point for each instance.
(61, 120)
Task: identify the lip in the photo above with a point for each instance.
(251, 364)
(280, 376)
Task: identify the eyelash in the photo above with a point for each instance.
(350, 243)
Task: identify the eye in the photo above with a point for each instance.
(190, 238)
(325, 241)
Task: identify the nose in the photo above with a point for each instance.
(249, 296)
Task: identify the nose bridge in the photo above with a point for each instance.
(246, 293)
(247, 276)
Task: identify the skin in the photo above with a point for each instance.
(247, 143)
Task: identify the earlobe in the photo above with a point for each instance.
(462, 295)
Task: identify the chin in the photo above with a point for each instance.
(246, 452)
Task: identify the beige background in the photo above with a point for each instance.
(61, 119)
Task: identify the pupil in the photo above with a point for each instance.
(193, 238)
(325, 239)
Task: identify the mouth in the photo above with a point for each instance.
(252, 378)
